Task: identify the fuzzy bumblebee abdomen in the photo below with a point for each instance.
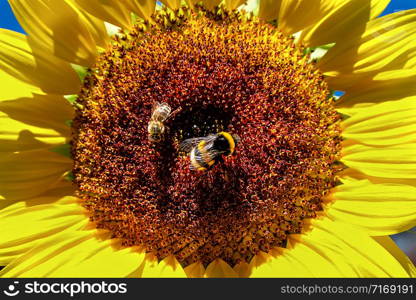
(200, 157)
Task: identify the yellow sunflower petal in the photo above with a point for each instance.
(291, 265)
(36, 122)
(384, 124)
(210, 4)
(51, 74)
(95, 26)
(13, 88)
(242, 269)
(385, 86)
(269, 9)
(344, 17)
(195, 270)
(116, 12)
(332, 249)
(387, 243)
(220, 269)
(23, 226)
(61, 192)
(380, 209)
(17, 136)
(233, 4)
(387, 162)
(172, 4)
(46, 23)
(295, 15)
(387, 44)
(75, 254)
(143, 8)
(30, 173)
(263, 265)
(167, 268)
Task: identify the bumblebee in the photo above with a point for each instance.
(204, 152)
(156, 128)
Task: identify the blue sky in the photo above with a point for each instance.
(8, 21)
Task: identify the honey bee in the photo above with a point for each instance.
(156, 127)
(204, 152)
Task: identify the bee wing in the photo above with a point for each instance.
(188, 144)
(155, 105)
(161, 111)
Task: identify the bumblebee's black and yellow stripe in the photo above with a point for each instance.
(205, 151)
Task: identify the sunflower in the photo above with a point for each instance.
(317, 182)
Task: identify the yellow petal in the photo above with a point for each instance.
(345, 17)
(356, 174)
(75, 254)
(387, 243)
(385, 86)
(17, 136)
(116, 12)
(36, 122)
(172, 4)
(13, 88)
(387, 44)
(30, 173)
(380, 209)
(388, 123)
(233, 4)
(167, 268)
(143, 8)
(295, 15)
(269, 9)
(211, 4)
(47, 24)
(42, 69)
(61, 192)
(22, 226)
(195, 270)
(220, 269)
(287, 264)
(95, 26)
(332, 249)
(191, 3)
(387, 162)
(243, 270)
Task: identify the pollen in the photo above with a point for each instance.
(220, 71)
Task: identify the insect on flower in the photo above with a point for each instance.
(204, 152)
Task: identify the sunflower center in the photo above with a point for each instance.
(218, 72)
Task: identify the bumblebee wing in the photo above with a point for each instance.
(188, 144)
